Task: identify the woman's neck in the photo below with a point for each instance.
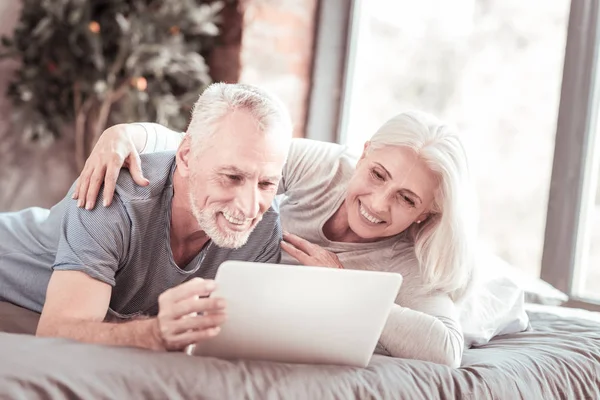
(337, 229)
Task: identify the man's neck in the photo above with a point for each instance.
(185, 232)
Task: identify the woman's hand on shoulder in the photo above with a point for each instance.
(114, 149)
(309, 253)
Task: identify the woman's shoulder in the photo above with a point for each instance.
(309, 149)
(313, 160)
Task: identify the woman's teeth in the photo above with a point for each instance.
(368, 216)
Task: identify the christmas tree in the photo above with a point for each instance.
(91, 63)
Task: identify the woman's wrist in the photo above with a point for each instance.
(137, 133)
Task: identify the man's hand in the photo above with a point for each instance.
(186, 315)
(114, 149)
(309, 253)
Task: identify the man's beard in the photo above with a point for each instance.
(207, 221)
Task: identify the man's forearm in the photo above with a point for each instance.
(139, 333)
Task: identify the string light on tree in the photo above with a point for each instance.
(141, 83)
(94, 27)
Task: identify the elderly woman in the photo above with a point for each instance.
(405, 206)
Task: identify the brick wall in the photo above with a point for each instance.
(276, 51)
(270, 43)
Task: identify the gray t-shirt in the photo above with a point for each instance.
(125, 245)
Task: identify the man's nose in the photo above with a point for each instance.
(249, 201)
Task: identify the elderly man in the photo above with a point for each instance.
(145, 254)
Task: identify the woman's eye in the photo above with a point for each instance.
(376, 175)
(409, 201)
(235, 178)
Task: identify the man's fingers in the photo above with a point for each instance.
(298, 242)
(193, 287)
(135, 169)
(197, 323)
(178, 342)
(95, 183)
(195, 305)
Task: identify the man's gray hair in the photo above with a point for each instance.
(220, 99)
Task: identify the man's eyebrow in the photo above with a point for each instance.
(233, 170)
(272, 178)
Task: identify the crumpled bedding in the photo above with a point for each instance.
(558, 358)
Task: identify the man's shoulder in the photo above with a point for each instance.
(157, 168)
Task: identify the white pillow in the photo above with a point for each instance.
(495, 305)
(536, 290)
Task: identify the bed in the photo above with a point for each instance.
(559, 358)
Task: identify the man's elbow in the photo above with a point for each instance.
(46, 328)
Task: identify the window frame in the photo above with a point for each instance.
(576, 128)
(332, 65)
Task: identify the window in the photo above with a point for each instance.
(589, 284)
(494, 68)
(521, 81)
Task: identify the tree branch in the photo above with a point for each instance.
(80, 120)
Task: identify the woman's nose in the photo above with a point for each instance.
(380, 201)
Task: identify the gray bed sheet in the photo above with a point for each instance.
(558, 359)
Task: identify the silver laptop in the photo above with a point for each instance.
(300, 314)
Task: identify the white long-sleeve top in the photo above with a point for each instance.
(421, 325)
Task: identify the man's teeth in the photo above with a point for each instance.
(233, 220)
(368, 216)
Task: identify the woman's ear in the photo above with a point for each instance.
(183, 156)
(365, 149)
(421, 218)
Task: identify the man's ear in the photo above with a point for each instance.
(183, 156)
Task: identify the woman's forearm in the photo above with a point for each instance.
(416, 335)
(150, 137)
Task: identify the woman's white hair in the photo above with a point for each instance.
(220, 99)
(443, 242)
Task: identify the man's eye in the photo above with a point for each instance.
(235, 178)
(266, 185)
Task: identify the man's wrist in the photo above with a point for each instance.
(155, 335)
